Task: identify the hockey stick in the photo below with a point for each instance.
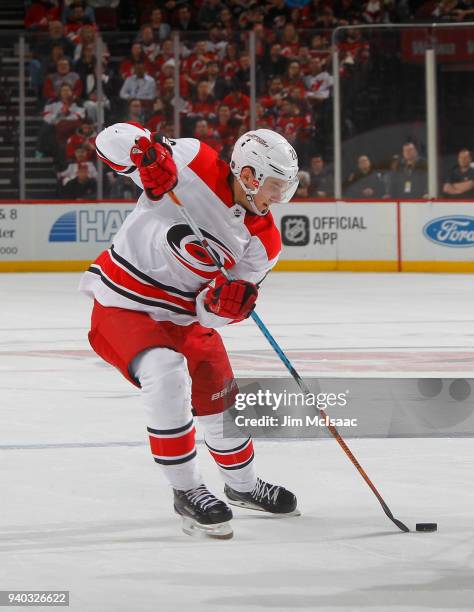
(299, 381)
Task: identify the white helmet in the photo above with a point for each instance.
(272, 157)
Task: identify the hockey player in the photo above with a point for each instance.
(159, 298)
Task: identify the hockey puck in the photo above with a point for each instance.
(427, 526)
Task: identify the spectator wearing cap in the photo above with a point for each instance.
(365, 182)
(460, 181)
(205, 133)
(83, 186)
(139, 86)
(63, 75)
(410, 180)
(83, 137)
(322, 185)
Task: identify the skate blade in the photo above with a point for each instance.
(250, 506)
(218, 531)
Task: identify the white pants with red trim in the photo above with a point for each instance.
(166, 393)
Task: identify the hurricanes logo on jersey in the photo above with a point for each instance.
(190, 253)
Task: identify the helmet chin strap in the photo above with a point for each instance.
(249, 193)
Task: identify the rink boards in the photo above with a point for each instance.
(411, 236)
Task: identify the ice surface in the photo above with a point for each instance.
(84, 508)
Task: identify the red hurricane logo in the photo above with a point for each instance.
(190, 253)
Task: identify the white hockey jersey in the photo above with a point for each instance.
(156, 264)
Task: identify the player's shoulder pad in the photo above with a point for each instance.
(212, 170)
(266, 231)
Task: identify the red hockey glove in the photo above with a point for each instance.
(157, 169)
(231, 299)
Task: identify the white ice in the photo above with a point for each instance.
(84, 508)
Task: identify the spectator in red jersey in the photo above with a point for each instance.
(294, 77)
(207, 134)
(40, 14)
(290, 123)
(218, 86)
(276, 93)
(239, 104)
(161, 30)
(62, 75)
(195, 65)
(137, 55)
(166, 54)
(227, 128)
(151, 49)
(354, 49)
(203, 106)
(319, 48)
(71, 172)
(161, 115)
(83, 186)
(77, 17)
(84, 137)
(290, 42)
(60, 119)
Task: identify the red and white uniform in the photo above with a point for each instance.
(156, 265)
(149, 319)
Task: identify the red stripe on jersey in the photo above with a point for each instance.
(233, 458)
(265, 229)
(114, 166)
(119, 276)
(214, 172)
(173, 447)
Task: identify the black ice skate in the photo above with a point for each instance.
(202, 513)
(266, 498)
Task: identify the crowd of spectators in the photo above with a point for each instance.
(293, 85)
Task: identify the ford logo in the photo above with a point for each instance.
(453, 231)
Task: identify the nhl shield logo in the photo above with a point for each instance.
(295, 230)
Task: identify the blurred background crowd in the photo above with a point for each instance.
(294, 86)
